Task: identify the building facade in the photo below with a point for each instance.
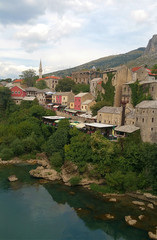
(80, 98)
(110, 115)
(146, 119)
(85, 76)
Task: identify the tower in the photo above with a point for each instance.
(40, 70)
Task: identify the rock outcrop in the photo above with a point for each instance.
(12, 178)
(48, 174)
(130, 221)
(69, 170)
(152, 46)
(153, 235)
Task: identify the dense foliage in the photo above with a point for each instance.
(67, 85)
(139, 93)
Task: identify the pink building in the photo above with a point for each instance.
(80, 98)
(18, 92)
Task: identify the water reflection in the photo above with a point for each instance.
(34, 211)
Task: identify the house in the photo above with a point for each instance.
(51, 81)
(95, 86)
(142, 74)
(85, 76)
(125, 130)
(110, 115)
(80, 98)
(63, 98)
(32, 91)
(17, 94)
(85, 106)
(146, 119)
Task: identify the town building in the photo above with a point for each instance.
(63, 98)
(51, 82)
(110, 115)
(31, 91)
(85, 76)
(120, 75)
(17, 94)
(85, 106)
(95, 87)
(80, 98)
(146, 119)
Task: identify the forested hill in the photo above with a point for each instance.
(103, 63)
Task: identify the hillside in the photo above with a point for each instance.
(103, 63)
(141, 56)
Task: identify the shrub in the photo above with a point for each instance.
(75, 180)
(101, 188)
(56, 160)
(6, 154)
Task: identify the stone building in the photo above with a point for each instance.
(121, 75)
(51, 81)
(110, 115)
(95, 86)
(85, 106)
(31, 91)
(146, 119)
(151, 85)
(85, 76)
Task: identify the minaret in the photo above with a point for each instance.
(40, 70)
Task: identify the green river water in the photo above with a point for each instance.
(32, 210)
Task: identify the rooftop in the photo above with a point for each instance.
(115, 110)
(127, 128)
(147, 104)
(87, 102)
(63, 93)
(32, 89)
(99, 125)
(81, 94)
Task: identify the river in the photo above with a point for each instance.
(31, 209)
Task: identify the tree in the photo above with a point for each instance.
(6, 102)
(65, 85)
(29, 77)
(41, 84)
(95, 108)
(77, 88)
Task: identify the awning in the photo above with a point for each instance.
(80, 125)
(99, 125)
(55, 106)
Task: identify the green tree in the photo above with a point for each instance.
(95, 108)
(41, 84)
(29, 77)
(65, 85)
(77, 88)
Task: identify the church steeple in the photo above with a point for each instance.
(40, 69)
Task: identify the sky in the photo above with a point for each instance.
(67, 33)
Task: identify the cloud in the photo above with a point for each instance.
(140, 16)
(37, 36)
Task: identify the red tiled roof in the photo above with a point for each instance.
(18, 80)
(48, 77)
(135, 69)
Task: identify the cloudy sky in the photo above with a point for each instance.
(67, 33)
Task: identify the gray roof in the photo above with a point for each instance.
(127, 128)
(99, 125)
(115, 110)
(81, 94)
(32, 89)
(87, 102)
(147, 104)
(63, 93)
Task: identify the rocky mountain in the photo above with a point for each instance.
(141, 56)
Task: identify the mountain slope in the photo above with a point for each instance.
(103, 63)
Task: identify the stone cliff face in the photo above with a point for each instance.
(152, 46)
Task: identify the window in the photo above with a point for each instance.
(19, 92)
(152, 119)
(142, 119)
(137, 119)
(15, 91)
(152, 89)
(151, 129)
